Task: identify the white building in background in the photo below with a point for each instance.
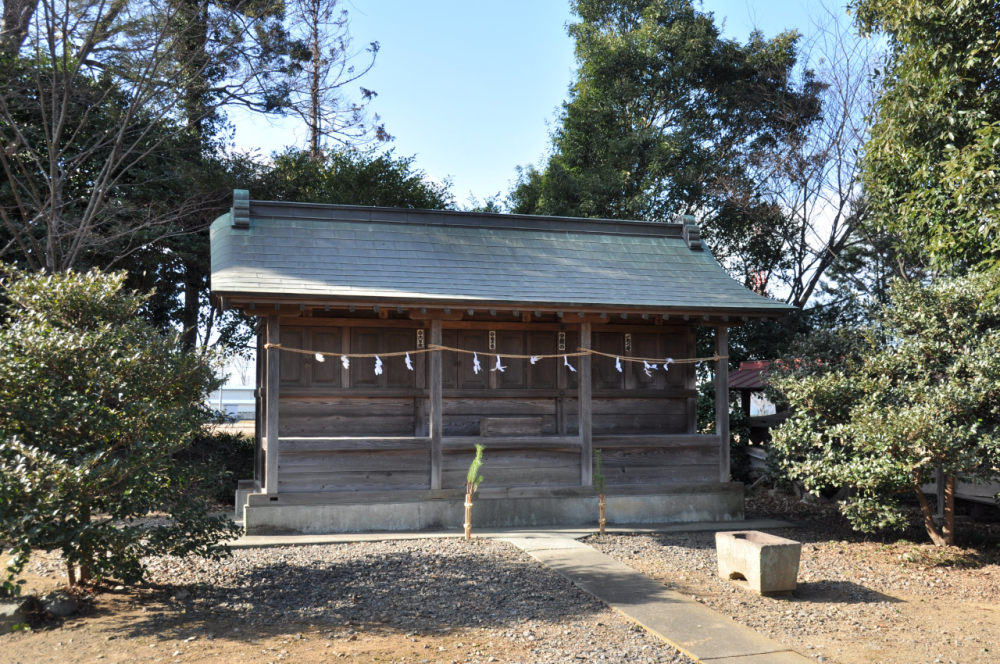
(234, 400)
(235, 397)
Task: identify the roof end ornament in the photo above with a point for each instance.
(691, 232)
(241, 208)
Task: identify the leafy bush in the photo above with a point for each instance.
(224, 457)
(923, 394)
(94, 403)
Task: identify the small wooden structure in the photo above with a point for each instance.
(749, 378)
(343, 446)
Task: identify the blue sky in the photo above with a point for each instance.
(472, 88)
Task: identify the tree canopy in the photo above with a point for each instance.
(932, 165)
(667, 117)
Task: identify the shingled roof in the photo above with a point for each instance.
(264, 249)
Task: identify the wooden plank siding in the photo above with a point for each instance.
(350, 430)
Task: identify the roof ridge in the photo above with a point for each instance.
(680, 226)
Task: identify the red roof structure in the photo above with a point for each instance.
(750, 376)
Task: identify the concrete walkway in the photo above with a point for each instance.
(692, 628)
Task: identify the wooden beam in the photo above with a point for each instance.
(584, 392)
(271, 410)
(465, 443)
(722, 399)
(435, 416)
(416, 314)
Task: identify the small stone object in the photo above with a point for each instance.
(13, 613)
(60, 604)
(770, 564)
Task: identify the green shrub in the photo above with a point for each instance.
(225, 458)
(94, 404)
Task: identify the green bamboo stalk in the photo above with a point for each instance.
(472, 480)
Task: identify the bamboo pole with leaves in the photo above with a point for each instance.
(472, 481)
(599, 486)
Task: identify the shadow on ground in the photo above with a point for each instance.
(416, 590)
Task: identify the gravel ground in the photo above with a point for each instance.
(419, 601)
(857, 601)
(515, 609)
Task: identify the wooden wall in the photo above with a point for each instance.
(534, 407)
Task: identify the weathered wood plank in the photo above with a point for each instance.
(326, 374)
(333, 418)
(452, 443)
(383, 460)
(485, 406)
(463, 417)
(510, 477)
(435, 407)
(317, 444)
(639, 416)
(638, 424)
(670, 440)
(496, 458)
(291, 363)
(349, 425)
(356, 481)
(659, 457)
(637, 406)
(664, 475)
(511, 426)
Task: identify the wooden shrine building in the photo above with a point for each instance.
(391, 341)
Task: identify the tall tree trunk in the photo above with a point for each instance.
(948, 527)
(14, 25)
(192, 304)
(194, 56)
(316, 64)
(937, 537)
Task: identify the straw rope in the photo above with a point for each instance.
(327, 353)
(511, 356)
(580, 352)
(658, 360)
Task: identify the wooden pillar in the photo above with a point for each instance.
(435, 418)
(586, 430)
(562, 380)
(260, 380)
(271, 411)
(722, 399)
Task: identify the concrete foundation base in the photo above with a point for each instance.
(498, 508)
(243, 489)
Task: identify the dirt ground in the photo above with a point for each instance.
(859, 601)
(149, 625)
